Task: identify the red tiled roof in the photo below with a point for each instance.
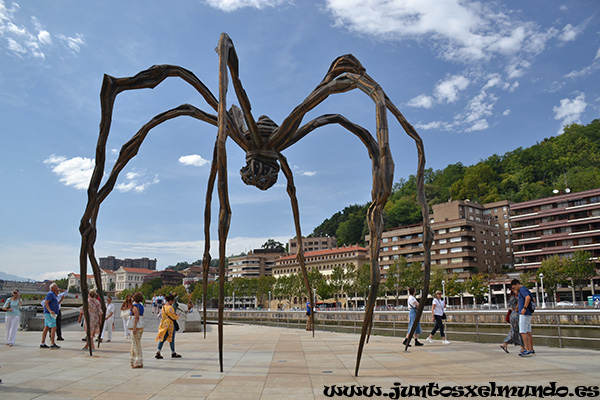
(325, 252)
(138, 270)
(108, 271)
(79, 275)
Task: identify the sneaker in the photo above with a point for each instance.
(417, 343)
(430, 340)
(61, 339)
(445, 341)
(158, 356)
(44, 346)
(55, 346)
(526, 353)
(175, 355)
(532, 352)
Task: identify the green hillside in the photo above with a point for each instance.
(571, 160)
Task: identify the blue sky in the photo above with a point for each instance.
(474, 78)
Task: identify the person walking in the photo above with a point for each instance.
(95, 311)
(136, 325)
(126, 313)
(308, 314)
(513, 335)
(12, 307)
(50, 312)
(109, 321)
(413, 304)
(437, 312)
(525, 316)
(166, 329)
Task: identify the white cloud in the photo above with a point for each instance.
(29, 39)
(460, 30)
(421, 101)
(309, 173)
(570, 32)
(506, 112)
(188, 250)
(193, 160)
(447, 90)
(302, 172)
(232, 5)
(430, 125)
(75, 172)
(597, 54)
(595, 65)
(570, 110)
(136, 182)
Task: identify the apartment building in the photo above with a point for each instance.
(168, 277)
(113, 264)
(323, 260)
(468, 238)
(558, 225)
(258, 262)
(312, 244)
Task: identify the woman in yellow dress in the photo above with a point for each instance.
(166, 329)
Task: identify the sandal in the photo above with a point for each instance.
(504, 348)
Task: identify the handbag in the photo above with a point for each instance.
(444, 316)
(125, 313)
(175, 323)
(507, 317)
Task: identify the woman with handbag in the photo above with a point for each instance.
(512, 316)
(167, 328)
(136, 326)
(438, 315)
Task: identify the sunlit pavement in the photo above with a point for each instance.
(269, 363)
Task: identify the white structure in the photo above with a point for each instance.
(129, 278)
(75, 280)
(108, 277)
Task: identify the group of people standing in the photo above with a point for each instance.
(132, 313)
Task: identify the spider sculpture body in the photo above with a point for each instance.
(263, 141)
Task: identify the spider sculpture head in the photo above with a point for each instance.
(261, 168)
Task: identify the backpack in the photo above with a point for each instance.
(532, 306)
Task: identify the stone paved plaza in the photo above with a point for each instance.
(269, 363)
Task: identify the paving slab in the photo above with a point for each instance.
(271, 363)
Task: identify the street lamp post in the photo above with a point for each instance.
(269, 300)
(543, 296)
(444, 291)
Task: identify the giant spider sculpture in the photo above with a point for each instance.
(263, 141)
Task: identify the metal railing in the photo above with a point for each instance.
(556, 328)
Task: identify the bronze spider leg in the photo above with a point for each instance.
(382, 166)
(110, 88)
(291, 190)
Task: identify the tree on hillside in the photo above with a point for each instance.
(393, 280)
(62, 283)
(272, 244)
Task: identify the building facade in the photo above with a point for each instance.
(558, 225)
(168, 277)
(129, 278)
(256, 263)
(469, 238)
(74, 280)
(113, 264)
(312, 244)
(322, 260)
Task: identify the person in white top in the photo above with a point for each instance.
(413, 304)
(437, 313)
(110, 319)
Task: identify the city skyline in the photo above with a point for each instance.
(475, 79)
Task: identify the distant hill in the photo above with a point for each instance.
(8, 277)
(571, 160)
